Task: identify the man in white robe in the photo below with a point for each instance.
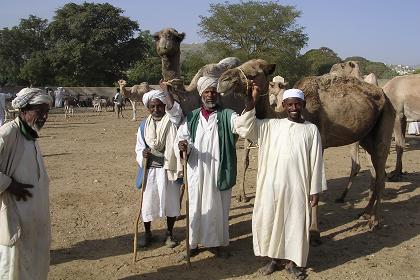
(25, 229)
(290, 176)
(207, 135)
(3, 97)
(155, 139)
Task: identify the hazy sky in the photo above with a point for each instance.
(386, 31)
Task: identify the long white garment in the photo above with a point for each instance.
(161, 196)
(29, 257)
(3, 97)
(414, 128)
(290, 169)
(208, 207)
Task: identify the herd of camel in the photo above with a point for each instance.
(346, 109)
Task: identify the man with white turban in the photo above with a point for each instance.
(290, 176)
(24, 217)
(155, 139)
(207, 135)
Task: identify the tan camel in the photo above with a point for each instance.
(404, 94)
(344, 109)
(135, 94)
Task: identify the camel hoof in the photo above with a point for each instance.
(314, 238)
(339, 200)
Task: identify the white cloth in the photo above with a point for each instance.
(414, 128)
(293, 92)
(162, 193)
(31, 96)
(3, 97)
(208, 207)
(154, 94)
(290, 169)
(59, 95)
(29, 257)
(205, 82)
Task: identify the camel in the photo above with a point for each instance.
(344, 109)
(134, 95)
(69, 103)
(404, 94)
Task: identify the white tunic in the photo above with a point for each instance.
(29, 258)
(414, 128)
(161, 196)
(208, 207)
(290, 169)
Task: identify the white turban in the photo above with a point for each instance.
(31, 96)
(154, 94)
(204, 83)
(293, 92)
(278, 79)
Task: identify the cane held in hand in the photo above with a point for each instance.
(143, 187)
(187, 211)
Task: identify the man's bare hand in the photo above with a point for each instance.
(146, 153)
(314, 199)
(19, 190)
(183, 145)
(252, 100)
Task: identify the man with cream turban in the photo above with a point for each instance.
(155, 140)
(207, 135)
(290, 176)
(25, 229)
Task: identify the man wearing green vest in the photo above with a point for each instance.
(207, 135)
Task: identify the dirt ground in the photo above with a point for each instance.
(91, 163)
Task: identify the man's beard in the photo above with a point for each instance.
(210, 104)
(36, 127)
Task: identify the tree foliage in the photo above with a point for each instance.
(319, 61)
(255, 29)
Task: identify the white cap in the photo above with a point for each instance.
(293, 92)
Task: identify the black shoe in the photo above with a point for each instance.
(145, 240)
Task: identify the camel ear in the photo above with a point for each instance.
(270, 69)
(180, 36)
(156, 36)
(352, 65)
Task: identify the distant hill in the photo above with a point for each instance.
(190, 48)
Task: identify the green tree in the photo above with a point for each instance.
(17, 45)
(417, 71)
(92, 44)
(319, 61)
(254, 29)
(37, 70)
(378, 68)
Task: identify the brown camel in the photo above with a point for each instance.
(135, 94)
(344, 109)
(404, 94)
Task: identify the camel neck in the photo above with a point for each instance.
(170, 67)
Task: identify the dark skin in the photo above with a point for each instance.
(294, 107)
(34, 115)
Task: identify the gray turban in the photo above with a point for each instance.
(204, 83)
(31, 96)
(154, 94)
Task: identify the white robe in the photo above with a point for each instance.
(161, 196)
(414, 128)
(208, 207)
(290, 169)
(29, 257)
(3, 97)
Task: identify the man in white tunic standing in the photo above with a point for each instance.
(155, 140)
(290, 177)
(3, 97)
(25, 229)
(207, 135)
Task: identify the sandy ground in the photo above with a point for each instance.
(91, 164)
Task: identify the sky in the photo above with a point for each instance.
(379, 30)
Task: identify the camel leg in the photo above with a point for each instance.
(355, 168)
(242, 196)
(378, 145)
(399, 133)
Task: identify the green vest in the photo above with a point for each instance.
(226, 177)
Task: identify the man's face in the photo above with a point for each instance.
(294, 107)
(156, 109)
(35, 115)
(210, 98)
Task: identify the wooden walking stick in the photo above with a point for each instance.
(143, 187)
(187, 209)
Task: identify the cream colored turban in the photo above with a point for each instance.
(278, 79)
(204, 83)
(293, 92)
(31, 96)
(154, 94)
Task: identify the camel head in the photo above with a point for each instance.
(237, 80)
(122, 83)
(275, 90)
(168, 41)
(348, 68)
